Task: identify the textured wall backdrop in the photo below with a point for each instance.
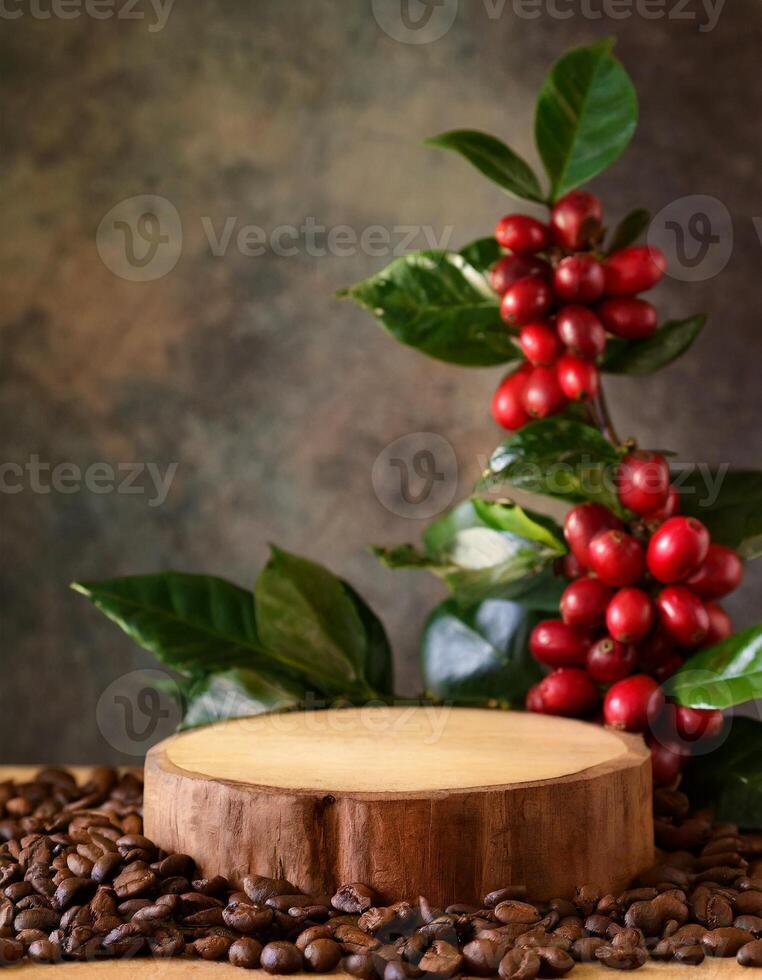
(272, 398)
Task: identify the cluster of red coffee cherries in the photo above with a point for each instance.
(642, 596)
(562, 300)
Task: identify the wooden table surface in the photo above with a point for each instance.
(197, 970)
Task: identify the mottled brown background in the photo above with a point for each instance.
(273, 398)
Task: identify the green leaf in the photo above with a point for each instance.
(730, 778)
(728, 502)
(310, 622)
(478, 559)
(723, 675)
(238, 693)
(194, 623)
(629, 230)
(505, 515)
(494, 159)
(560, 458)
(479, 655)
(587, 112)
(379, 665)
(661, 349)
(482, 254)
(441, 305)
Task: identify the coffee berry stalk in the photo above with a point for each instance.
(642, 596)
(561, 299)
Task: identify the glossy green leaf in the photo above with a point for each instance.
(238, 693)
(309, 622)
(729, 502)
(479, 655)
(495, 160)
(730, 778)
(379, 664)
(646, 356)
(194, 623)
(478, 559)
(482, 253)
(505, 515)
(587, 112)
(723, 675)
(441, 305)
(629, 230)
(560, 458)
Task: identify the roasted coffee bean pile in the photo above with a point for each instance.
(79, 881)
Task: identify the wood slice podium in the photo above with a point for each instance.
(444, 802)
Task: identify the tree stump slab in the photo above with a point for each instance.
(450, 803)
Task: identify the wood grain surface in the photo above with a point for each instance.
(444, 802)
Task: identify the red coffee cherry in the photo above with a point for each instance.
(719, 574)
(569, 567)
(526, 301)
(555, 644)
(510, 268)
(507, 407)
(582, 524)
(568, 692)
(534, 701)
(642, 482)
(579, 380)
(584, 602)
(683, 615)
(616, 558)
(540, 344)
(720, 625)
(633, 319)
(693, 724)
(581, 331)
(575, 220)
(630, 615)
(542, 395)
(657, 656)
(633, 270)
(666, 763)
(609, 661)
(632, 703)
(677, 549)
(522, 234)
(670, 508)
(579, 279)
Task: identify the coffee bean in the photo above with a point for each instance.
(134, 881)
(752, 924)
(512, 911)
(165, 942)
(43, 951)
(622, 957)
(494, 898)
(246, 917)
(322, 955)
(583, 950)
(481, 957)
(359, 965)
(11, 951)
(311, 934)
(751, 954)
(441, 959)
(690, 955)
(245, 952)
(519, 964)
(259, 888)
(281, 957)
(40, 918)
(725, 942)
(212, 947)
(353, 899)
